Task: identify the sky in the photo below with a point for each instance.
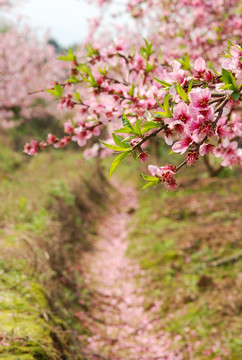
(66, 19)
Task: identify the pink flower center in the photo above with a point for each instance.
(203, 102)
(183, 117)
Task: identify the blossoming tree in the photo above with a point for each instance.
(25, 64)
(158, 88)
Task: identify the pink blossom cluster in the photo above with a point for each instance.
(166, 174)
(34, 146)
(200, 120)
(233, 61)
(171, 95)
(197, 27)
(26, 65)
(85, 131)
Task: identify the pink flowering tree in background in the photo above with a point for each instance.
(25, 64)
(182, 85)
(5, 3)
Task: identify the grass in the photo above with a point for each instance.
(176, 237)
(48, 207)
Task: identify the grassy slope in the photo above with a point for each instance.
(47, 207)
(176, 238)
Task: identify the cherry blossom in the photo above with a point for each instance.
(173, 86)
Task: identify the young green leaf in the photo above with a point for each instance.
(69, 56)
(77, 96)
(236, 95)
(117, 161)
(125, 130)
(167, 105)
(51, 91)
(185, 62)
(152, 183)
(181, 92)
(138, 125)
(127, 139)
(147, 185)
(148, 177)
(116, 148)
(126, 122)
(119, 141)
(228, 78)
(149, 67)
(150, 125)
(158, 102)
(227, 87)
(148, 115)
(190, 85)
(160, 113)
(131, 91)
(165, 84)
(58, 89)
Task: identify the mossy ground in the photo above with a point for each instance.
(48, 206)
(177, 237)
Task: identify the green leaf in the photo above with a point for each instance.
(129, 138)
(69, 56)
(126, 122)
(103, 71)
(161, 114)
(167, 105)
(160, 105)
(90, 51)
(162, 82)
(227, 87)
(73, 124)
(83, 68)
(51, 91)
(228, 78)
(190, 85)
(149, 67)
(181, 92)
(236, 95)
(147, 185)
(115, 148)
(73, 80)
(148, 115)
(145, 52)
(185, 62)
(138, 125)
(151, 181)
(229, 46)
(117, 161)
(135, 155)
(65, 58)
(131, 91)
(119, 141)
(150, 125)
(148, 177)
(125, 130)
(58, 89)
(77, 96)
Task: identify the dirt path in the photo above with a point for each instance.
(121, 328)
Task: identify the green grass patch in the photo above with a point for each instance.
(176, 238)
